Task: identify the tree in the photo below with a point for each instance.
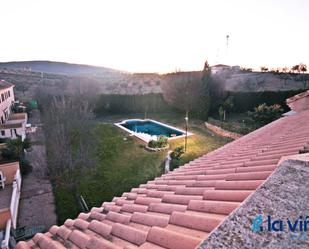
(226, 106)
(296, 68)
(69, 139)
(188, 91)
(217, 91)
(303, 69)
(264, 114)
(264, 69)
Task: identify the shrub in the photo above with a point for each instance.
(175, 156)
(265, 114)
(246, 101)
(25, 167)
(160, 143)
(8, 154)
(178, 152)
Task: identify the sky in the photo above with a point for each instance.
(156, 35)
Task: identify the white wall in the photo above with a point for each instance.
(6, 101)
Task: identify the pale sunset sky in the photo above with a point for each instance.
(156, 35)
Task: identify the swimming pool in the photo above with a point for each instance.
(148, 129)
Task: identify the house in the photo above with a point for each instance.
(191, 206)
(11, 125)
(219, 68)
(6, 100)
(9, 200)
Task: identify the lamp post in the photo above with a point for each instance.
(186, 138)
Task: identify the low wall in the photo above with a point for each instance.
(221, 132)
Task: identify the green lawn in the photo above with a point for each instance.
(123, 162)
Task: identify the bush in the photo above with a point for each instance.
(175, 156)
(246, 101)
(264, 114)
(27, 143)
(15, 148)
(8, 154)
(178, 152)
(25, 167)
(160, 143)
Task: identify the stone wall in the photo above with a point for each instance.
(284, 195)
(221, 132)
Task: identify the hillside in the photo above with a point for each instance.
(58, 68)
(59, 77)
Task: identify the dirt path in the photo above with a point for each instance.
(37, 200)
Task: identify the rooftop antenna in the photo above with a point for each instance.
(227, 46)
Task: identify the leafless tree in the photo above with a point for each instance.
(69, 138)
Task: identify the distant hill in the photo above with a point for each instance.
(59, 68)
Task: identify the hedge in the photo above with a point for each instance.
(246, 101)
(118, 103)
(154, 102)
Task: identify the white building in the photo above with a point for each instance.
(6, 100)
(219, 68)
(12, 125)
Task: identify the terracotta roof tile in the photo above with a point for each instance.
(180, 199)
(239, 185)
(170, 239)
(226, 195)
(81, 224)
(64, 232)
(149, 220)
(196, 222)
(180, 208)
(117, 217)
(79, 238)
(131, 208)
(260, 175)
(166, 208)
(130, 234)
(218, 207)
(96, 243)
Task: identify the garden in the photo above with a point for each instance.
(122, 162)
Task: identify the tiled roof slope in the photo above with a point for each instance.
(179, 209)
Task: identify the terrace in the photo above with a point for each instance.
(14, 126)
(9, 200)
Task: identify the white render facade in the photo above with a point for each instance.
(6, 100)
(12, 125)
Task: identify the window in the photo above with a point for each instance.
(2, 96)
(2, 132)
(9, 93)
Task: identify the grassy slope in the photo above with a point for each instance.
(124, 163)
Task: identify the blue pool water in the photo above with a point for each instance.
(151, 128)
